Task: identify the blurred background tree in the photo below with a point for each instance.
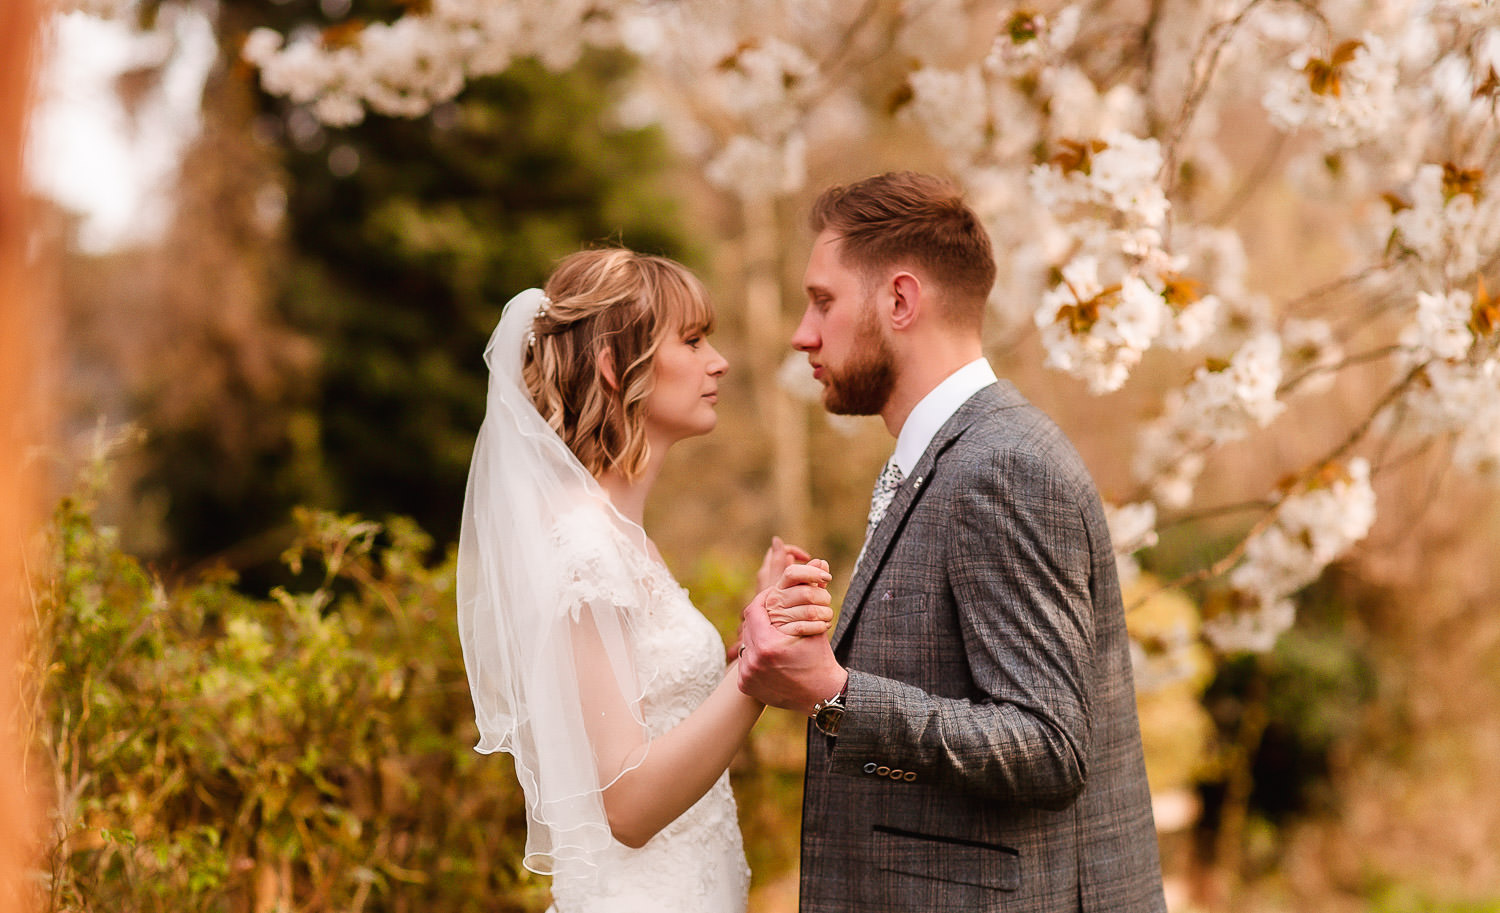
(407, 238)
(310, 328)
(20, 418)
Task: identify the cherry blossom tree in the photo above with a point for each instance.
(1110, 148)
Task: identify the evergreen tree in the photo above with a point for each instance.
(402, 240)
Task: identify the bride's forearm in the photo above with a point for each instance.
(678, 767)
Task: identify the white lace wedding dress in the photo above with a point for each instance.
(696, 864)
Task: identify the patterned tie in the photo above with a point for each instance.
(885, 489)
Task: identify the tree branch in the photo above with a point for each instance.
(1224, 564)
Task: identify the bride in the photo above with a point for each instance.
(586, 660)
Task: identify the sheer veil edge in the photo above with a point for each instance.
(545, 580)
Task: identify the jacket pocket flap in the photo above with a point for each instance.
(956, 859)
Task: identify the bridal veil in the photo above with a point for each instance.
(541, 607)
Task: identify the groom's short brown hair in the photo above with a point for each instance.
(904, 216)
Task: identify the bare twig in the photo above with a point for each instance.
(1213, 513)
(1214, 41)
(1247, 188)
(1429, 498)
(1334, 285)
(1373, 355)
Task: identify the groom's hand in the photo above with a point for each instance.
(784, 670)
(798, 603)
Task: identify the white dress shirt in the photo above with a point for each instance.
(936, 408)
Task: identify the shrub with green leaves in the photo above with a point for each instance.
(205, 750)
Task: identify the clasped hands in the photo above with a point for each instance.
(784, 661)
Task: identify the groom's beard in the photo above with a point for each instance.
(863, 385)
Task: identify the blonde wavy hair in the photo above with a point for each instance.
(624, 304)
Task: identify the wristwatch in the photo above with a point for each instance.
(827, 715)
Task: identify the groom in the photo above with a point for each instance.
(974, 743)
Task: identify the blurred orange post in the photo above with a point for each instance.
(18, 50)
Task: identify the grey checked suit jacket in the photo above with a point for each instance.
(990, 757)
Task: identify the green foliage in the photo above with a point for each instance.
(1387, 897)
(1309, 694)
(210, 751)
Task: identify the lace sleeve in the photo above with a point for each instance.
(596, 565)
(578, 724)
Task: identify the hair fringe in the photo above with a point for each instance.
(618, 304)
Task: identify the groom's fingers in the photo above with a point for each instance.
(759, 602)
(781, 616)
(811, 573)
(797, 595)
(754, 631)
(755, 622)
(804, 628)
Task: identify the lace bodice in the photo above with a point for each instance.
(697, 863)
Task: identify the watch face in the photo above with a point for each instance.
(828, 720)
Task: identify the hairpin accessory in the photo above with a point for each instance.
(541, 311)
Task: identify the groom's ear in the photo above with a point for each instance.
(906, 294)
(604, 363)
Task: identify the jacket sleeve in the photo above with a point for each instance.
(1017, 550)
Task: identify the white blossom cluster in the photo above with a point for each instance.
(1223, 402)
(1460, 399)
(1250, 627)
(763, 88)
(954, 106)
(1117, 327)
(405, 67)
(740, 87)
(1100, 333)
(1132, 527)
(1312, 528)
(1117, 184)
(1174, 659)
(1349, 95)
(1113, 180)
(1454, 83)
(744, 114)
(752, 167)
(1107, 195)
(1311, 353)
(760, 83)
(1445, 225)
(1028, 39)
(1441, 329)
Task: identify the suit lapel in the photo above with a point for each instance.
(906, 497)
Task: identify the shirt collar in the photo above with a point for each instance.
(936, 408)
